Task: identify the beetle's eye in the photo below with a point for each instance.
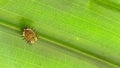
(33, 37)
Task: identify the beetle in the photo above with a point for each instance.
(29, 35)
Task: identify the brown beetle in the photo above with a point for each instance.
(29, 35)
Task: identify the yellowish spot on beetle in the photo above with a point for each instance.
(29, 35)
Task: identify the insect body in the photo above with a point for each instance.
(29, 35)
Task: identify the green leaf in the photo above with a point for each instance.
(71, 33)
